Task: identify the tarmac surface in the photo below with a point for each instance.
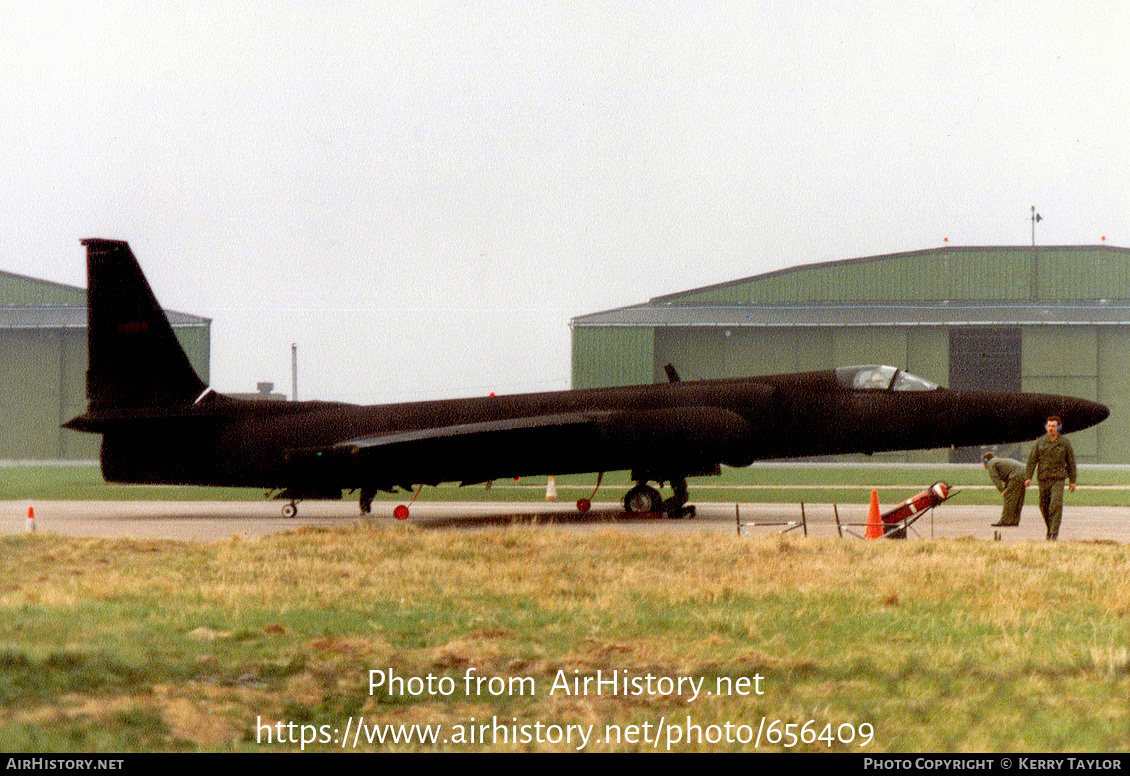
(220, 520)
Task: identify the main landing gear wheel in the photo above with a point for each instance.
(676, 506)
(676, 512)
(290, 510)
(642, 499)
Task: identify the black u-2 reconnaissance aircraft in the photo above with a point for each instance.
(161, 424)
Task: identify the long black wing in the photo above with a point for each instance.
(676, 440)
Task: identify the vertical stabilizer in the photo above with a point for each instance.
(135, 359)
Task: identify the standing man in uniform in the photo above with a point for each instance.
(1054, 459)
(1008, 476)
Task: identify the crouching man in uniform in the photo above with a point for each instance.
(1008, 476)
(1054, 459)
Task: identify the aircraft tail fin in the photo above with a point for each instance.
(135, 358)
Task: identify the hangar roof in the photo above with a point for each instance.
(976, 285)
(31, 303)
(845, 314)
(73, 318)
(999, 273)
(22, 290)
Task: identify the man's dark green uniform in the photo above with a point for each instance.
(1054, 461)
(1008, 476)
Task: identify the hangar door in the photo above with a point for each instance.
(983, 358)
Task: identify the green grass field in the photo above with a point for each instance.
(759, 484)
(926, 646)
(120, 645)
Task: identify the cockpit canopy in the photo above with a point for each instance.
(881, 378)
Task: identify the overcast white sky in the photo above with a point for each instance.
(421, 195)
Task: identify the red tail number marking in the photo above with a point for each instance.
(133, 327)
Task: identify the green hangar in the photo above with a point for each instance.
(43, 367)
(1045, 319)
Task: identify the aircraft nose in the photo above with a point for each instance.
(1075, 414)
(1079, 414)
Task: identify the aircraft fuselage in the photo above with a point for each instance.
(662, 431)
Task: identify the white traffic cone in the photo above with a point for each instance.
(551, 488)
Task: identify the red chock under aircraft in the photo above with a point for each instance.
(161, 424)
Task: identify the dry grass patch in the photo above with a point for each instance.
(951, 645)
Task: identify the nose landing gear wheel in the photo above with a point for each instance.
(290, 510)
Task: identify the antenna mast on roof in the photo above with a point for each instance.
(294, 371)
(1034, 279)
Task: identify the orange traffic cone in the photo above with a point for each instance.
(31, 519)
(551, 488)
(874, 524)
